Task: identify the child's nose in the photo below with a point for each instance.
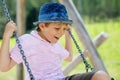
(61, 32)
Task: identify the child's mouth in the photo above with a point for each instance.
(57, 38)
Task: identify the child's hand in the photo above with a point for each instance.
(67, 33)
(10, 29)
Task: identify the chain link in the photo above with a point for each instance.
(6, 10)
(24, 57)
(87, 66)
(18, 42)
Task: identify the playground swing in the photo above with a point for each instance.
(87, 66)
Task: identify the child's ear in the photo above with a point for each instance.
(41, 26)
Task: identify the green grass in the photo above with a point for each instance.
(109, 50)
(10, 75)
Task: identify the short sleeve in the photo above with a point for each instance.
(15, 55)
(15, 52)
(65, 55)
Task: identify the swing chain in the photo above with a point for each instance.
(87, 66)
(24, 57)
(18, 42)
(6, 10)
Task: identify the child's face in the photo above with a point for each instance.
(53, 32)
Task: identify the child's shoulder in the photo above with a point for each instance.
(26, 40)
(24, 36)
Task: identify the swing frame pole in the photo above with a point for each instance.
(77, 60)
(83, 34)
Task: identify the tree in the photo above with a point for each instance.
(32, 11)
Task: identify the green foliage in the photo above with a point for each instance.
(3, 18)
(98, 8)
(2, 21)
(109, 50)
(32, 11)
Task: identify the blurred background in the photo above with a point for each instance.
(98, 16)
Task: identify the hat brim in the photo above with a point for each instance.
(54, 21)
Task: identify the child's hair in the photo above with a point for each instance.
(46, 24)
(38, 29)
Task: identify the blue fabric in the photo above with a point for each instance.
(53, 12)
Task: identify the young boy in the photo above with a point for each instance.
(43, 51)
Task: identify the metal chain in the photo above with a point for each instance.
(18, 43)
(6, 10)
(87, 66)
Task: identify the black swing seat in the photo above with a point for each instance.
(112, 78)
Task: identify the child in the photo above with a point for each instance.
(42, 49)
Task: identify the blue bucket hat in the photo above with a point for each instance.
(53, 12)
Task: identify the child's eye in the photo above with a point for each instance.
(57, 28)
(65, 29)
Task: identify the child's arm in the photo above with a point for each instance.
(68, 46)
(6, 62)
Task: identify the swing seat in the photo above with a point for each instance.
(112, 78)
